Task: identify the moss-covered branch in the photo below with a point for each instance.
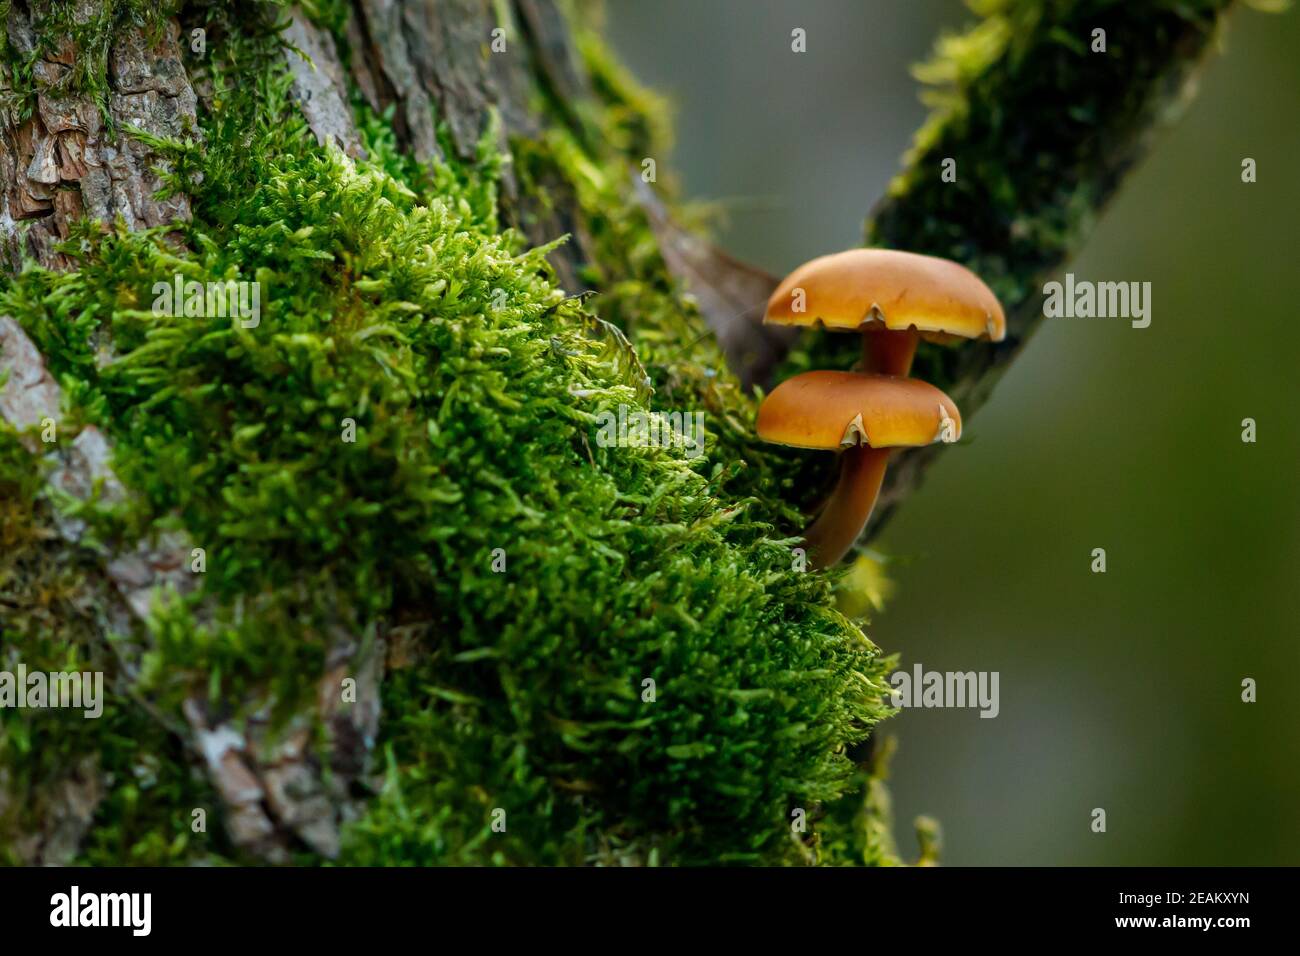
(1042, 130)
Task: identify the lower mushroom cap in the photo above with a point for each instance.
(830, 410)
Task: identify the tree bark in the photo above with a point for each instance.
(64, 161)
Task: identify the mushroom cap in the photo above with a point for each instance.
(835, 410)
(862, 290)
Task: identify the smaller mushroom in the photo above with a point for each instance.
(864, 417)
(894, 298)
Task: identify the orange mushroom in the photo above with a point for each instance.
(894, 298)
(864, 417)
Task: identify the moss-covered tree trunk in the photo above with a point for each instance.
(354, 676)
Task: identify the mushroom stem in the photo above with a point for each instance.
(845, 514)
(886, 352)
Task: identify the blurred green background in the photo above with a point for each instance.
(1120, 690)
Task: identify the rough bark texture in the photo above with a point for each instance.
(68, 160)
(428, 60)
(318, 84)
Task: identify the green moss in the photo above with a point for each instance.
(630, 120)
(599, 162)
(391, 297)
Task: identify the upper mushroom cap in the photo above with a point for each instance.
(835, 410)
(865, 289)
